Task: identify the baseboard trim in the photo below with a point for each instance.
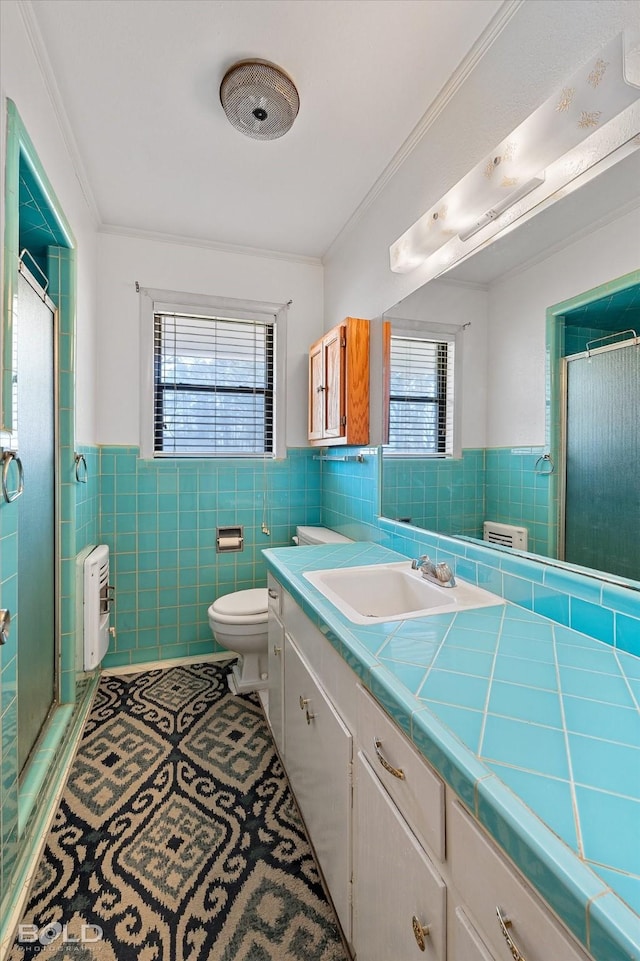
(169, 662)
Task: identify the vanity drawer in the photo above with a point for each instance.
(466, 944)
(485, 882)
(419, 793)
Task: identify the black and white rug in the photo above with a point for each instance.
(177, 837)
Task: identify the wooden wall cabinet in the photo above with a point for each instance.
(339, 385)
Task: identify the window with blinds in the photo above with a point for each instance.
(421, 396)
(213, 386)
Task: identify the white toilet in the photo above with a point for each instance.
(319, 535)
(239, 622)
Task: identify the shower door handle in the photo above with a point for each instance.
(7, 457)
(5, 623)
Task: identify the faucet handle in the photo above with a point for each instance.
(444, 573)
(418, 562)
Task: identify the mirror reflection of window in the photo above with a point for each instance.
(420, 396)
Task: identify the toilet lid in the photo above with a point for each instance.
(243, 603)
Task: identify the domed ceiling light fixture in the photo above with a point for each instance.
(259, 99)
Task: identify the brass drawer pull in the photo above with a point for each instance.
(396, 771)
(505, 924)
(420, 932)
(304, 701)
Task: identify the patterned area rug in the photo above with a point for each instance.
(177, 838)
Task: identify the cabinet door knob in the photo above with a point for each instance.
(273, 594)
(320, 388)
(505, 924)
(396, 771)
(303, 702)
(277, 650)
(420, 932)
(310, 717)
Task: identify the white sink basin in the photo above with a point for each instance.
(393, 592)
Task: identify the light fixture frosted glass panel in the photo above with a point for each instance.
(602, 515)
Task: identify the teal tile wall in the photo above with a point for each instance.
(446, 495)
(454, 496)
(159, 518)
(62, 286)
(350, 491)
(518, 492)
(87, 499)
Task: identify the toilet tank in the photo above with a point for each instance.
(320, 535)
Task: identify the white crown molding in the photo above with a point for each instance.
(453, 84)
(182, 241)
(40, 52)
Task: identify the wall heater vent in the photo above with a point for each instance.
(97, 600)
(507, 535)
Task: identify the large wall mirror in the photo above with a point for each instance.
(534, 442)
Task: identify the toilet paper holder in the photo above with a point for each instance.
(229, 539)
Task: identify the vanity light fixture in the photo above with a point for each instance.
(557, 143)
(501, 206)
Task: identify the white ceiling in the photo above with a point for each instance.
(138, 81)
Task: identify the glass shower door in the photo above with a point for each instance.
(36, 635)
(602, 490)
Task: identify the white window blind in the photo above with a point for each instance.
(213, 385)
(421, 395)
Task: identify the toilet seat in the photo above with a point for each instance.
(242, 607)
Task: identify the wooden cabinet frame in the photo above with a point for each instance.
(339, 385)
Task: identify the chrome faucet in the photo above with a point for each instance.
(438, 573)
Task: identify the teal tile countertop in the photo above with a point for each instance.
(534, 725)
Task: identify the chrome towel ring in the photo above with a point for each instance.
(9, 456)
(544, 465)
(82, 471)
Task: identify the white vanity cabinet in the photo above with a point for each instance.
(318, 762)
(411, 782)
(410, 872)
(400, 898)
(276, 664)
(487, 884)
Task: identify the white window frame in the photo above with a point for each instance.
(154, 301)
(444, 333)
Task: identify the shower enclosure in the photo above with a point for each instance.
(35, 404)
(601, 524)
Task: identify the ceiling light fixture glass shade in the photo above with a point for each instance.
(259, 99)
(557, 143)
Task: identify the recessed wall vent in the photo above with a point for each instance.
(506, 535)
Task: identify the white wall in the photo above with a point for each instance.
(23, 81)
(198, 270)
(517, 324)
(543, 44)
